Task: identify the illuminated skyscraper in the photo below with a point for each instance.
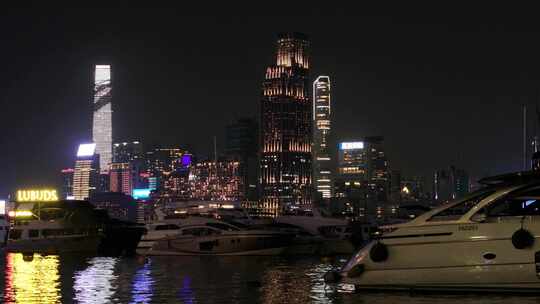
(352, 168)
(286, 128)
(102, 122)
(86, 175)
(67, 183)
(121, 178)
(322, 174)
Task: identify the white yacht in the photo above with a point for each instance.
(213, 238)
(327, 235)
(166, 228)
(487, 241)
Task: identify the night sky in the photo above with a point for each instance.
(443, 88)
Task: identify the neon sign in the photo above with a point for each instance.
(351, 145)
(141, 194)
(43, 195)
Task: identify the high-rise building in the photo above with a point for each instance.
(132, 153)
(102, 121)
(449, 184)
(242, 144)
(352, 175)
(86, 175)
(127, 152)
(322, 173)
(377, 168)
(286, 128)
(67, 183)
(121, 178)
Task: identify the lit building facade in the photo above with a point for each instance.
(352, 176)
(286, 128)
(126, 152)
(86, 176)
(132, 153)
(121, 178)
(102, 120)
(322, 173)
(377, 169)
(160, 163)
(211, 181)
(67, 183)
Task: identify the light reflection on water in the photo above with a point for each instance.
(95, 284)
(190, 280)
(31, 281)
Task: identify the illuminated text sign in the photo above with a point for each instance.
(43, 195)
(351, 145)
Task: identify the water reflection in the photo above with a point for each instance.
(186, 293)
(31, 279)
(320, 291)
(142, 284)
(83, 279)
(296, 281)
(96, 284)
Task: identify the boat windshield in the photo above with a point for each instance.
(524, 202)
(456, 211)
(222, 226)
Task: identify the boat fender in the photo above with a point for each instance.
(522, 239)
(378, 252)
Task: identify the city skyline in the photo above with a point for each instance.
(381, 93)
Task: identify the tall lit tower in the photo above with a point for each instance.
(286, 128)
(102, 122)
(322, 174)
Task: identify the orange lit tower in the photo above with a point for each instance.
(286, 129)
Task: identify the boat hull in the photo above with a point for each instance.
(449, 257)
(55, 245)
(229, 244)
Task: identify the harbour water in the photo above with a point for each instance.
(87, 279)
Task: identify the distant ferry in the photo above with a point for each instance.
(487, 241)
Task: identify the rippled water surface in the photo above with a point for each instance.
(83, 279)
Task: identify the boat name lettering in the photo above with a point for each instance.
(468, 228)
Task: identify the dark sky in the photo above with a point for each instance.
(443, 88)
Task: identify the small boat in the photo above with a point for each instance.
(486, 241)
(212, 238)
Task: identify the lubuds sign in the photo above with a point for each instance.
(42, 195)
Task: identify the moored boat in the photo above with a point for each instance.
(69, 226)
(487, 241)
(218, 238)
